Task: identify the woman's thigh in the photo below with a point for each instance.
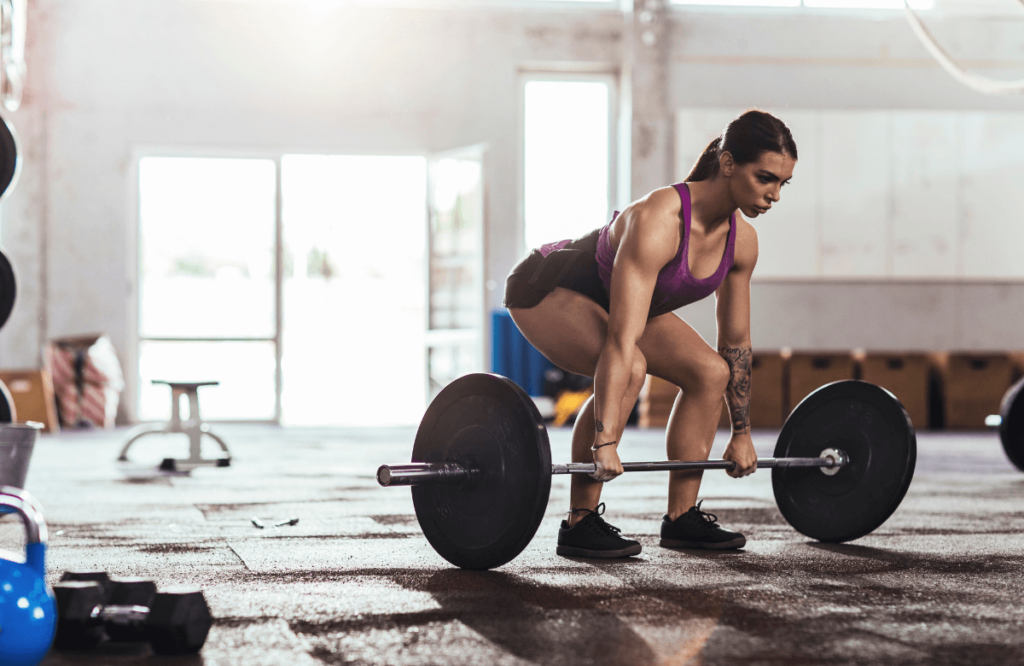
(676, 353)
(570, 330)
(567, 327)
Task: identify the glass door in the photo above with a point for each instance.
(318, 289)
(354, 245)
(207, 284)
(455, 273)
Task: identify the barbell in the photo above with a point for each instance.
(481, 467)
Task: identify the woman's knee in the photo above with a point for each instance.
(716, 374)
(709, 377)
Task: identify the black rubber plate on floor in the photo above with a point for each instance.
(488, 422)
(871, 426)
(8, 288)
(1011, 430)
(10, 158)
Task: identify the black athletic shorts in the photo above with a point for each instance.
(573, 267)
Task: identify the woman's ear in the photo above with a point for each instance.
(726, 163)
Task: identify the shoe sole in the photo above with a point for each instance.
(569, 551)
(703, 545)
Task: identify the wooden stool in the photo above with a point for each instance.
(193, 427)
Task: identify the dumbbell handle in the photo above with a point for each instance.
(121, 614)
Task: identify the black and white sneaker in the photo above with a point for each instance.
(698, 529)
(593, 537)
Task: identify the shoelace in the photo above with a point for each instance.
(599, 522)
(709, 518)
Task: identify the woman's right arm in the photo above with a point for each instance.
(650, 240)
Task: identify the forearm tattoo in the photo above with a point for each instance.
(600, 426)
(737, 393)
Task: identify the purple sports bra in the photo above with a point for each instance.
(676, 286)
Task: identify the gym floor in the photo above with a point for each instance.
(354, 582)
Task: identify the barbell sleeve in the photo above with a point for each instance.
(411, 474)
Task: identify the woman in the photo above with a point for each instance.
(602, 306)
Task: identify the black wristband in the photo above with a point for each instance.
(595, 448)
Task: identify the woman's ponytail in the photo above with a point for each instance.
(707, 163)
(746, 139)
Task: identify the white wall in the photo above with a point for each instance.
(880, 193)
(872, 71)
(108, 77)
(891, 315)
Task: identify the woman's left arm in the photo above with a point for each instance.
(733, 313)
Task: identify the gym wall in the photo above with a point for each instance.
(217, 77)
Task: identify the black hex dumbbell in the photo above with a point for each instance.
(99, 577)
(175, 621)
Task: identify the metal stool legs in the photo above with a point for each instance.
(193, 427)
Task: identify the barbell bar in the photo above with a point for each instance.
(481, 467)
(412, 474)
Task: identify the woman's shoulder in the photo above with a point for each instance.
(746, 241)
(659, 207)
(651, 225)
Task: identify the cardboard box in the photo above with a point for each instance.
(767, 390)
(1017, 360)
(657, 417)
(656, 400)
(906, 376)
(32, 392)
(767, 400)
(973, 385)
(811, 371)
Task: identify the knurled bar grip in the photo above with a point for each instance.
(412, 474)
(677, 465)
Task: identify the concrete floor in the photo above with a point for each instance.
(356, 583)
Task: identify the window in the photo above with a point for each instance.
(869, 4)
(337, 338)
(567, 157)
(740, 3)
(354, 232)
(456, 266)
(207, 283)
(832, 4)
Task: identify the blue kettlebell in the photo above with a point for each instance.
(28, 613)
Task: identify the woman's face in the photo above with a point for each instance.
(757, 185)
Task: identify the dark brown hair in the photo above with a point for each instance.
(746, 138)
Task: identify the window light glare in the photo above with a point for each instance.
(869, 4)
(566, 159)
(740, 3)
(825, 4)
